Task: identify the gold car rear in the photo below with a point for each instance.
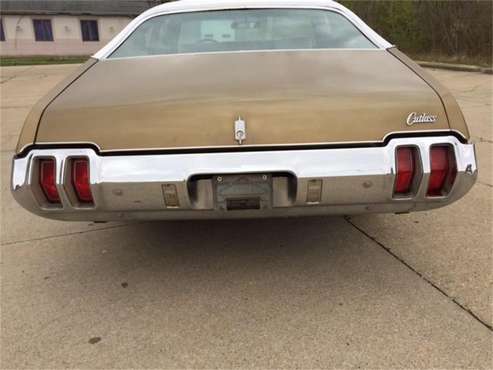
(223, 109)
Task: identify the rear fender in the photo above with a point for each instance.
(30, 128)
(455, 117)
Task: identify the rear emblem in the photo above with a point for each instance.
(417, 118)
(240, 130)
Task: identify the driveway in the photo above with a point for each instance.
(411, 291)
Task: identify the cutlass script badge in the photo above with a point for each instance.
(240, 130)
(417, 118)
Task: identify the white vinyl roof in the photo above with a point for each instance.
(184, 5)
(204, 5)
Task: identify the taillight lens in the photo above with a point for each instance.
(47, 180)
(406, 169)
(443, 170)
(80, 180)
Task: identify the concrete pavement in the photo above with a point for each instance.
(409, 291)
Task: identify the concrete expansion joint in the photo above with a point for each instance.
(485, 184)
(483, 140)
(16, 75)
(428, 281)
(70, 234)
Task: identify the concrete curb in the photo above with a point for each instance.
(456, 67)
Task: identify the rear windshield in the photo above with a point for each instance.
(241, 30)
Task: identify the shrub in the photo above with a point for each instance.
(459, 29)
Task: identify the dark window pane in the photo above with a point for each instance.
(2, 34)
(42, 30)
(89, 30)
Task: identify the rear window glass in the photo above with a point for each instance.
(241, 30)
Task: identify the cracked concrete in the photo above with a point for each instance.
(383, 291)
(424, 277)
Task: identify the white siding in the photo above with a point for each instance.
(67, 34)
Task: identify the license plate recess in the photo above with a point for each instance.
(243, 192)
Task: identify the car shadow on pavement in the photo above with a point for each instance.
(208, 240)
(214, 255)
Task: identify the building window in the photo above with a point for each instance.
(89, 30)
(42, 30)
(2, 33)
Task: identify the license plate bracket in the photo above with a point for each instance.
(243, 192)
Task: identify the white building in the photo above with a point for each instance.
(63, 28)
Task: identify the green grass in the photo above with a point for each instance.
(40, 60)
(477, 61)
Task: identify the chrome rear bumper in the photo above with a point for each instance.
(353, 181)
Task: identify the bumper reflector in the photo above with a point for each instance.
(47, 180)
(314, 191)
(171, 196)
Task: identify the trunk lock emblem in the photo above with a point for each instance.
(240, 130)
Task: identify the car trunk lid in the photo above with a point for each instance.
(285, 97)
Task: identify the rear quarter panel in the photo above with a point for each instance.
(30, 128)
(454, 114)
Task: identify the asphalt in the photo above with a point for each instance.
(380, 291)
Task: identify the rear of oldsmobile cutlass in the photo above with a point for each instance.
(218, 109)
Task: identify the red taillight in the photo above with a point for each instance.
(442, 170)
(405, 170)
(47, 180)
(80, 180)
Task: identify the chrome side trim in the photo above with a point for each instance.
(246, 146)
(353, 180)
(188, 7)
